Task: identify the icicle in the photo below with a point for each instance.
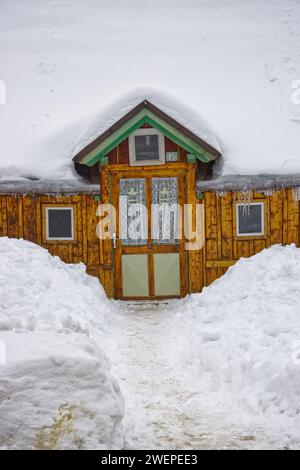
(266, 192)
(244, 198)
(296, 194)
(221, 193)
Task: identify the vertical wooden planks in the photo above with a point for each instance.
(93, 257)
(107, 243)
(20, 215)
(38, 211)
(276, 218)
(29, 219)
(12, 216)
(226, 207)
(123, 152)
(211, 237)
(292, 218)
(170, 146)
(4, 216)
(195, 257)
(285, 219)
(77, 249)
(1, 219)
(226, 229)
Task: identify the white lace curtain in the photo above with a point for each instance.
(133, 214)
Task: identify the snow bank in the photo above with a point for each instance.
(241, 338)
(40, 291)
(56, 389)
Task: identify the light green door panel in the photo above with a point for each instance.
(167, 274)
(135, 275)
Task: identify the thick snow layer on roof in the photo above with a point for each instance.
(234, 63)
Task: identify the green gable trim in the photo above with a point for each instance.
(103, 160)
(115, 139)
(191, 158)
(180, 139)
(143, 117)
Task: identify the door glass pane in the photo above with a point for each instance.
(133, 214)
(167, 274)
(164, 213)
(135, 275)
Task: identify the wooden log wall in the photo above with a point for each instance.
(222, 247)
(22, 217)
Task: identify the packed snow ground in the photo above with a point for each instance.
(240, 341)
(65, 61)
(219, 369)
(164, 409)
(56, 389)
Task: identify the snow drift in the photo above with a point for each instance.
(241, 338)
(56, 389)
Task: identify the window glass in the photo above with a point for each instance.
(60, 223)
(164, 212)
(133, 216)
(250, 219)
(146, 147)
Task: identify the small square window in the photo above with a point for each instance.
(146, 147)
(250, 219)
(59, 223)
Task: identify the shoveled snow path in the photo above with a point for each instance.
(162, 412)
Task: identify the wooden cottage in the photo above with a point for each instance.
(149, 157)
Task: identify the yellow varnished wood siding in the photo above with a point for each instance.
(222, 244)
(22, 217)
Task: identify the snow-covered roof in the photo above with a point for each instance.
(245, 183)
(45, 186)
(64, 63)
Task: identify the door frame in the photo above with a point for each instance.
(117, 172)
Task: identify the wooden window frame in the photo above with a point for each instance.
(161, 147)
(45, 209)
(260, 235)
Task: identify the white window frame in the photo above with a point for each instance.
(256, 234)
(47, 222)
(161, 147)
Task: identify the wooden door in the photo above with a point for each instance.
(148, 264)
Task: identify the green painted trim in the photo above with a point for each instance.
(191, 158)
(97, 197)
(103, 160)
(185, 142)
(145, 116)
(112, 141)
(199, 195)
